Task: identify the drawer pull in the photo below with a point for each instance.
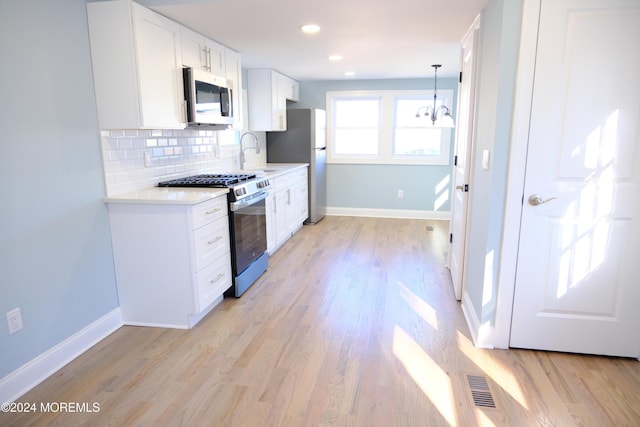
(215, 279)
(212, 211)
(212, 241)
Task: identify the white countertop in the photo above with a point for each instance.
(169, 195)
(192, 196)
(274, 169)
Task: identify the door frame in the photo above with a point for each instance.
(516, 173)
(472, 37)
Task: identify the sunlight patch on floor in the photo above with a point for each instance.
(483, 419)
(420, 306)
(426, 373)
(499, 375)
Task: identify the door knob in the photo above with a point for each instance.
(535, 200)
(460, 187)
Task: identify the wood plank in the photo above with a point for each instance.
(354, 323)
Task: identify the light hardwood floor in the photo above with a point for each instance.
(354, 324)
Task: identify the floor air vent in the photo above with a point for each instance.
(480, 392)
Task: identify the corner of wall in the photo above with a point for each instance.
(42, 367)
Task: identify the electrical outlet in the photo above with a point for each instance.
(14, 320)
(400, 194)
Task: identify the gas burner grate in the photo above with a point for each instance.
(208, 180)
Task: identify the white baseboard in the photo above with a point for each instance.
(43, 366)
(388, 213)
(482, 334)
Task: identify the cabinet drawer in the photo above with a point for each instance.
(284, 181)
(301, 174)
(211, 241)
(212, 281)
(206, 212)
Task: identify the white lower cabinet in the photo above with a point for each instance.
(300, 187)
(286, 207)
(172, 262)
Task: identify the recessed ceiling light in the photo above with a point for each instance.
(336, 57)
(350, 73)
(310, 28)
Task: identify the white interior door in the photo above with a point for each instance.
(464, 136)
(577, 286)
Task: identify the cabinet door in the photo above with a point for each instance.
(233, 67)
(267, 108)
(216, 57)
(157, 43)
(283, 215)
(302, 203)
(278, 102)
(290, 89)
(270, 203)
(193, 49)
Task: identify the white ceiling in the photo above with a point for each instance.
(379, 39)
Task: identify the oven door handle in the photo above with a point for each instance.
(235, 206)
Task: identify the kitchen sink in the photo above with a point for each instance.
(260, 172)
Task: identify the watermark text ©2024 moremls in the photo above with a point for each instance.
(50, 407)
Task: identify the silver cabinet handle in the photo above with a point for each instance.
(535, 200)
(212, 241)
(213, 211)
(215, 279)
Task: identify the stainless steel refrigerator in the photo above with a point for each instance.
(304, 141)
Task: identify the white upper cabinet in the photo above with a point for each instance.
(268, 92)
(290, 88)
(201, 53)
(136, 57)
(216, 57)
(233, 73)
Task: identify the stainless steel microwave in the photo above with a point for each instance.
(208, 98)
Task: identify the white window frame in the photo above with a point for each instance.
(387, 126)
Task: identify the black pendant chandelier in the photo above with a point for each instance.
(440, 116)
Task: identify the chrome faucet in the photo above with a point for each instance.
(256, 147)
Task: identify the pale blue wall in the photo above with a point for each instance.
(376, 186)
(55, 249)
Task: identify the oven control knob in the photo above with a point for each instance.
(241, 191)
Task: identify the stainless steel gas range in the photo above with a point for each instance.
(247, 223)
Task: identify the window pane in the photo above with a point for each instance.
(356, 141)
(418, 141)
(406, 112)
(414, 136)
(357, 113)
(356, 130)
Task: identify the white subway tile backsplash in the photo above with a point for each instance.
(124, 143)
(138, 159)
